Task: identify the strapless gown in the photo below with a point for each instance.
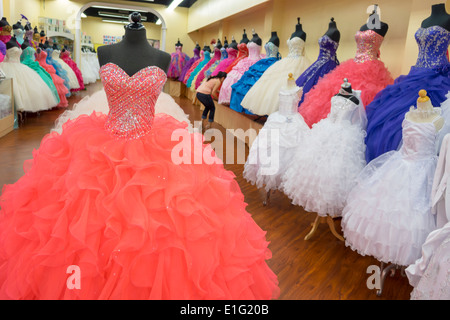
(366, 72)
(387, 111)
(31, 93)
(262, 98)
(110, 198)
(65, 56)
(254, 55)
(252, 75)
(178, 60)
(189, 64)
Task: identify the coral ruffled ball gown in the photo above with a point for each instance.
(366, 72)
(109, 196)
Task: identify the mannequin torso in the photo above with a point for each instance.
(133, 53)
(425, 112)
(299, 31)
(333, 33)
(439, 17)
(274, 39)
(346, 91)
(384, 27)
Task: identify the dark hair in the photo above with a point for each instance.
(219, 75)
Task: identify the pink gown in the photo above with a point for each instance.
(254, 55)
(365, 72)
(57, 80)
(109, 197)
(223, 65)
(201, 74)
(65, 56)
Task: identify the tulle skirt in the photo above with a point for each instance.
(325, 168)
(388, 213)
(386, 113)
(98, 102)
(262, 98)
(186, 68)
(134, 224)
(177, 63)
(73, 80)
(272, 152)
(224, 65)
(87, 71)
(31, 93)
(370, 77)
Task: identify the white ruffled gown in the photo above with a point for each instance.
(272, 151)
(324, 169)
(262, 98)
(31, 93)
(88, 72)
(388, 214)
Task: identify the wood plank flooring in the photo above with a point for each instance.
(322, 268)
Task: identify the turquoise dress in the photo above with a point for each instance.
(27, 58)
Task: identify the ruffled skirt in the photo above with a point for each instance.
(134, 224)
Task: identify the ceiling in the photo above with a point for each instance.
(114, 14)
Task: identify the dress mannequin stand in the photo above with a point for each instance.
(134, 52)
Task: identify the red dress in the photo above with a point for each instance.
(108, 197)
(65, 56)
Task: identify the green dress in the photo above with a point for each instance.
(27, 58)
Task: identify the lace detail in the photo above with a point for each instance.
(368, 46)
(131, 100)
(433, 44)
(271, 50)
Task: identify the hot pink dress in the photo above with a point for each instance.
(201, 74)
(366, 72)
(108, 197)
(65, 56)
(232, 55)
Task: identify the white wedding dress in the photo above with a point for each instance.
(87, 70)
(272, 151)
(324, 169)
(388, 214)
(98, 102)
(31, 93)
(262, 98)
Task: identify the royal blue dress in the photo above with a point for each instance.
(249, 78)
(325, 63)
(387, 111)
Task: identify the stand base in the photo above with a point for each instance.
(328, 220)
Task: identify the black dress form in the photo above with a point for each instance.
(234, 44)
(347, 92)
(178, 44)
(256, 39)
(12, 43)
(225, 43)
(439, 17)
(245, 38)
(219, 44)
(372, 24)
(299, 31)
(274, 39)
(134, 53)
(333, 32)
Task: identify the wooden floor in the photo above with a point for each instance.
(322, 268)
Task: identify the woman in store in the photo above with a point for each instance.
(206, 93)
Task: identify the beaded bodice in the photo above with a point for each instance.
(433, 44)
(328, 49)
(368, 46)
(65, 54)
(271, 50)
(28, 54)
(131, 100)
(296, 47)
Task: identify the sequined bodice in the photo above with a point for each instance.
(328, 49)
(368, 46)
(13, 54)
(223, 53)
(65, 54)
(41, 56)
(131, 100)
(196, 53)
(232, 53)
(418, 140)
(271, 50)
(433, 43)
(28, 54)
(178, 49)
(296, 47)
